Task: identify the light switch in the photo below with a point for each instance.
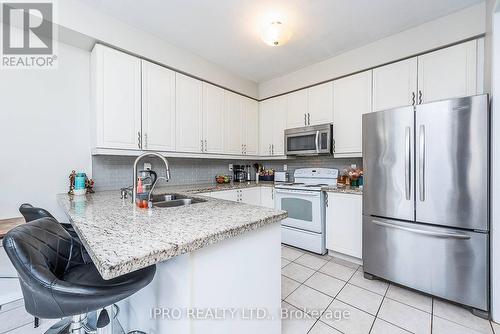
(285, 167)
(230, 167)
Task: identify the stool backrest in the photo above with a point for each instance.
(31, 213)
(41, 251)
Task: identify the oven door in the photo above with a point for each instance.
(304, 208)
(311, 140)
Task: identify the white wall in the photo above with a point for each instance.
(85, 20)
(458, 26)
(495, 168)
(44, 131)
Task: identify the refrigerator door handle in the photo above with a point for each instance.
(421, 163)
(407, 163)
(424, 232)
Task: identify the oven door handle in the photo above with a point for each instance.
(316, 141)
(297, 192)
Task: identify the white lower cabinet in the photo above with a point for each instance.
(267, 197)
(248, 195)
(344, 224)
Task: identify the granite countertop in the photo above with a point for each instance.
(121, 238)
(343, 190)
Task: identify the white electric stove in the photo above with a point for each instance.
(306, 206)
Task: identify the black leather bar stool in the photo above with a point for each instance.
(31, 213)
(57, 283)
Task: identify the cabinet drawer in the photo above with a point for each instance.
(448, 263)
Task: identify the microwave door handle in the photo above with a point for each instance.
(317, 141)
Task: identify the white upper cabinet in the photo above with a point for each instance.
(116, 98)
(448, 73)
(213, 118)
(352, 97)
(233, 118)
(272, 120)
(310, 106)
(279, 125)
(266, 134)
(250, 126)
(320, 104)
(296, 113)
(188, 114)
(158, 107)
(395, 85)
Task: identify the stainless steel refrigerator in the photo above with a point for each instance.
(426, 198)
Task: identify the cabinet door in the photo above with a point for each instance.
(229, 195)
(296, 113)
(251, 126)
(116, 98)
(251, 196)
(395, 85)
(448, 73)
(213, 118)
(320, 104)
(188, 114)
(352, 98)
(265, 127)
(344, 224)
(158, 107)
(233, 136)
(267, 197)
(279, 125)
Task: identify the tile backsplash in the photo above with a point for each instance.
(115, 172)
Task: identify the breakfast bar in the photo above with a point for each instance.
(215, 259)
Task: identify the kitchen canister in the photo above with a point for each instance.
(80, 184)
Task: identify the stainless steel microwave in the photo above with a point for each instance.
(309, 140)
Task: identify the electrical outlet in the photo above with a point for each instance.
(230, 167)
(147, 166)
(353, 166)
(285, 167)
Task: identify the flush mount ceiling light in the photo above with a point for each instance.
(275, 34)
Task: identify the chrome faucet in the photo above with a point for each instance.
(167, 173)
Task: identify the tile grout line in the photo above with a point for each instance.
(380, 306)
(333, 299)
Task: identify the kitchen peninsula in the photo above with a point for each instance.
(212, 255)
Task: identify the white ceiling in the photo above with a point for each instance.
(226, 32)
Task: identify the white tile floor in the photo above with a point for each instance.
(313, 285)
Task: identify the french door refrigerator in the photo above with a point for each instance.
(426, 198)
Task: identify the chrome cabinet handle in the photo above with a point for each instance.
(424, 232)
(270, 149)
(305, 119)
(308, 119)
(407, 163)
(206, 146)
(413, 98)
(316, 141)
(419, 96)
(421, 163)
(201, 141)
(139, 139)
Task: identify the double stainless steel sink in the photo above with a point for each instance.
(173, 200)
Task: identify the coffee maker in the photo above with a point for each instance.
(240, 174)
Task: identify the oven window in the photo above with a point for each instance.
(297, 208)
(301, 143)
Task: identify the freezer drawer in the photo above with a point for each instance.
(448, 263)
